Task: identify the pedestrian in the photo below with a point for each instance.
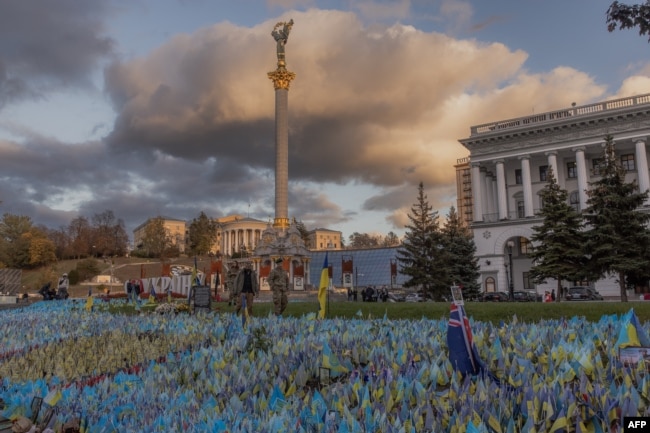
(553, 295)
(547, 296)
(247, 285)
(129, 291)
(279, 282)
(64, 284)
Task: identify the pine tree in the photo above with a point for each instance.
(461, 249)
(618, 235)
(558, 242)
(422, 256)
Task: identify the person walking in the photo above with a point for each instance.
(64, 284)
(246, 285)
(279, 282)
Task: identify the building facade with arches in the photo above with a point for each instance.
(508, 166)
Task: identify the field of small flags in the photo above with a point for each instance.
(211, 373)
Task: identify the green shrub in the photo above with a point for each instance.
(87, 269)
(73, 277)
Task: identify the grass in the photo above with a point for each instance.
(485, 312)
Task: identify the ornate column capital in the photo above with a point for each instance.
(281, 78)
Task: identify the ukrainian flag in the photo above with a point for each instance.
(322, 289)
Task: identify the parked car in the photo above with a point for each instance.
(396, 297)
(521, 296)
(414, 297)
(582, 293)
(495, 297)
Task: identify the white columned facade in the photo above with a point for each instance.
(476, 187)
(642, 167)
(528, 186)
(484, 201)
(489, 181)
(552, 162)
(501, 190)
(581, 168)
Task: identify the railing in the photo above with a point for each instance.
(614, 104)
(512, 216)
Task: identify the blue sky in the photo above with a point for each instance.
(163, 107)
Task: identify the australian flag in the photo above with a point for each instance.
(462, 350)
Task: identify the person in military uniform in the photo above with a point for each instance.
(233, 270)
(278, 280)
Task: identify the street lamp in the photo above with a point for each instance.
(510, 245)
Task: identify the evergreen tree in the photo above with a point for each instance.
(422, 255)
(302, 229)
(461, 249)
(618, 235)
(202, 234)
(558, 242)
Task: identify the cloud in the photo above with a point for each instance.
(378, 105)
(44, 49)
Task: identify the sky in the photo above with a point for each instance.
(163, 107)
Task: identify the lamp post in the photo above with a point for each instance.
(510, 245)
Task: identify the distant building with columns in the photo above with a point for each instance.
(508, 165)
(237, 234)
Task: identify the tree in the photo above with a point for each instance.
(390, 240)
(422, 255)
(304, 233)
(364, 240)
(463, 268)
(618, 236)
(558, 242)
(626, 16)
(14, 240)
(202, 234)
(41, 249)
(79, 234)
(109, 237)
(156, 240)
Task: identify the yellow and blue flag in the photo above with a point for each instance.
(322, 289)
(632, 333)
(89, 300)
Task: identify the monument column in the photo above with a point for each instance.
(281, 78)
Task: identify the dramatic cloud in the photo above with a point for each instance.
(42, 48)
(372, 106)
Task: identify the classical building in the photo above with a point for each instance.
(237, 234)
(509, 162)
(175, 229)
(324, 239)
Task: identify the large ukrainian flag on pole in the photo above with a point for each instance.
(322, 289)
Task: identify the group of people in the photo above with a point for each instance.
(243, 285)
(369, 294)
(61, 292)
(133, 291)
(549, 296)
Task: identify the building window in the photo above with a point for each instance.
(574, 201)
(489, 285)
(543, 172)
(597, 164)
(627, 161)
(572, 170)
(518, 180)
(524, 245)
(528, 284)
(521, 209)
